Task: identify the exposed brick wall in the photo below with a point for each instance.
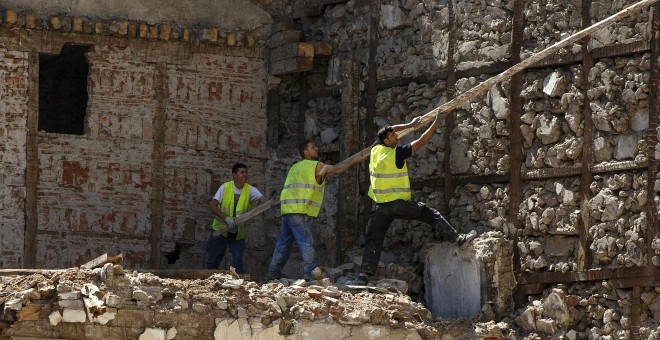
(94, 190)
(216, 116)
(13, 132)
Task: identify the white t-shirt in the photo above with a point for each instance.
(255, 195)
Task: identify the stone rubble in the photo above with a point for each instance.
(235, 306)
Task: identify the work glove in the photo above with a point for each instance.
(231, 223)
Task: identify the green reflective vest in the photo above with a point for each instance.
(227, 206)
(388, 183)
(301, 193)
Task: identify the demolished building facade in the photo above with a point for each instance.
(556, 168)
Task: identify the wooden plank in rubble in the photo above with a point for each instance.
(101, 260)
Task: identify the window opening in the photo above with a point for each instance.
(63, 90)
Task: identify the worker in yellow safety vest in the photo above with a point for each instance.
(390, 191)
(300, 200)
(232, 199)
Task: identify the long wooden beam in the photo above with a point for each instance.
(486, 85)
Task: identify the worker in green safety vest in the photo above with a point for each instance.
(233, 199)
(300, 200)
(390, 191)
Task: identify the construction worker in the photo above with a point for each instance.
(232, 199)
(300, 201)
(390, 191)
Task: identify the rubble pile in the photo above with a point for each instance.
(74, 303)
(627, 30)
(484, 34)
(549, 23)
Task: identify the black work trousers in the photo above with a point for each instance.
(383, 216)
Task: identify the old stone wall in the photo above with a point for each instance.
(574, 192)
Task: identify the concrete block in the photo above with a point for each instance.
(74, 315)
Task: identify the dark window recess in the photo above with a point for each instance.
(63, 90)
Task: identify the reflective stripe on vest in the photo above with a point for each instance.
(227, 207)
(301, 193)
(388, 183)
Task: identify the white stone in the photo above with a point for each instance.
(334, 71)
(74, 315)
(547, 326)
(626, 147)
(227, 329)
(640, 120)
(153, 334)
(392, 17)
(571, 335)
(55, 317)
(555, 308)
(526, 319)
(602, 150)
(15, 304)
(71, 304)
(70, 295)
(554, 84)
(171, 333)
(140, 295)
(111, 299)
(499, 103)
(459, 159)
(549, 130)
(106, 317)
(328, 135)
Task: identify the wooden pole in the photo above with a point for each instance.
(485, 86)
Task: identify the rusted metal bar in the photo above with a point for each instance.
(635, 313)
(619, 50)
(588, 275)
(372, 72)
(450, 118)
(32, 164)
(302, 107)
(515, 136)
(616, 50)
(552, 173)
(584, 256)
(273, 118)
(618, 166)
(654, 93)
(347, 207)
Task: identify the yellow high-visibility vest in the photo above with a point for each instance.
(388, 183)
(227, 206)
(301, 193)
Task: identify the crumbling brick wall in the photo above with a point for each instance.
(167, 116)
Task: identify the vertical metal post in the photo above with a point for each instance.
(584, 257)
(32, 166)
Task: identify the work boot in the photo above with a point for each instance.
(271, 277)
(361, 280)
(463, 240)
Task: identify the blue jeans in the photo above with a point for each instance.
(216, 247)
(296, 226)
